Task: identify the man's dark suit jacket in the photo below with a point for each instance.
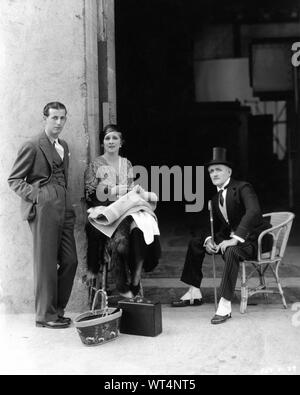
(33, 169)
(244, 213)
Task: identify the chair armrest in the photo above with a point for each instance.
(274, 231)
(260, 238)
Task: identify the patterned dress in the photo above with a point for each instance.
(100, 176)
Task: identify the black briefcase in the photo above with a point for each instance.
(140, 317)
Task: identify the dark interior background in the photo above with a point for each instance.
(162, 123)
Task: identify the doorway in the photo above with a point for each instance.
(158, 43)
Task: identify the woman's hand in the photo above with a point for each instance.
(138, 189)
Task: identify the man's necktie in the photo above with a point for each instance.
(59, 149)
(221, 198)
(220, 195)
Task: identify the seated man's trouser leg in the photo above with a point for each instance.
(232, 257)
(192, 270)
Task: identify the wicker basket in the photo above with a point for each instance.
(98, 326)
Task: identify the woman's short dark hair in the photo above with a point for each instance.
(108, 129)
(111, 128)
(55, 105)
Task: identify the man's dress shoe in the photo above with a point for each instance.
(187, 302)
(65, 320)
(58, 324)
(219, 319)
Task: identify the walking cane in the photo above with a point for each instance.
(213, 255)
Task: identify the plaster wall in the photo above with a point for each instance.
(43, 59)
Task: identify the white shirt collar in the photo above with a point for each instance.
(225, 185)
(52, 139)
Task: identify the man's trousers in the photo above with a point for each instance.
(54, 252)
(192, 270)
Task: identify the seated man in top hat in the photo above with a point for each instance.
(238, 221)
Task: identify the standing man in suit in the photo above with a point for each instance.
(238, 222)
(40, 177)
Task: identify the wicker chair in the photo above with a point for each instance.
(281, 225)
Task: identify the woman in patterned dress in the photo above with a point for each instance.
(107, 178)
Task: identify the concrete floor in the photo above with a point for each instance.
(265, 341)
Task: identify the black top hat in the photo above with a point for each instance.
(219, 157)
